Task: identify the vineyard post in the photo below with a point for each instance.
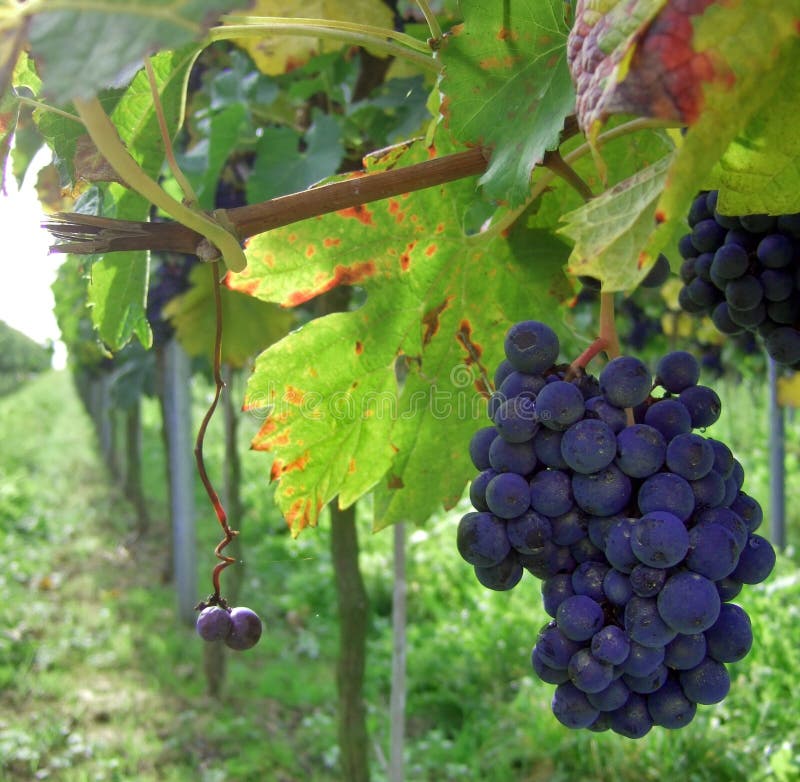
(777, 466)
(177, 403)
(397, 703)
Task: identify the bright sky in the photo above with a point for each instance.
(26, 269)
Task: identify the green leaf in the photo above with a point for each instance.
(395, 388)
(83, 47)
(507, 86)
(760, 170)
(118, 289)
(204, 162)
(248, 324)
(281, 168)
(610, 231)
(753, 46)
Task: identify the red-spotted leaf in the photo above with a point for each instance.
(506, 86)
(390, 392)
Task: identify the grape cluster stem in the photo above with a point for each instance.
(216, 503)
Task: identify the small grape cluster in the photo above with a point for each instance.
(168, 280)
(745, 273)
(240, 628)
(637, 526)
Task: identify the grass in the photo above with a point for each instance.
(99, 682)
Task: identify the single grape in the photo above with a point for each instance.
(777, 284)
(611, 698)
(531, 346)
(571, 707)
(528, 532)
(775, 251)
(744, 292)
(642, 660)
(707, 235)
(647, 581)
(713, 551)
(618, 548)
(579, 617)
(748, 319)
(690, 456)
(644, 685)
(617, 587)
(677, 370)
(246, 629)
(703, 405)
(667, 492)
(550, 492)
(214, 624)
(477, 489)
(645, 624)
(554, 648)
(569, 527)
(559, 405)
(670, 417)
(685, 651)
(728, 588)
(482, 539)
(587, 580)
(730, 638)
(615, 417)
(555, 590)
(783, 345)
(730, 261)
(512, 457)
(602, 493)
(515, 419)
(504, 369)
(547, 446)
(658, 274)
(633, 719)
(721, 318)
(706, 683)
(610, 644)
(748, 510)
(659, 539)
(545, 672)
(669, 707)
(688, 602)
(709, 491)
(588, 673)
(508, 495)
(501, 577)
(641, 450)
(755, 562)
(479, 446)
(588, 446)
(726, 518)
(521, 384)
(625, 381)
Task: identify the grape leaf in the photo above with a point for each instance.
(281, 53)
(82, 47)
(760, 170)
(281, 168)
(611, 229)
(248, 324)
(755, 52)
(507, 86)
(393, 388)
(118, 288)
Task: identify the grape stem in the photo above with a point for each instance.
(607, 340)
(216, 503)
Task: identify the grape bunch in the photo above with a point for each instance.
(636, 525)
(168, 280)
(240, 628)
(745, 273)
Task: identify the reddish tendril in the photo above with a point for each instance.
(230, 534)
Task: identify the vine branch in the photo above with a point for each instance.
(87, 234)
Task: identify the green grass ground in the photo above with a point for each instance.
(99, 682)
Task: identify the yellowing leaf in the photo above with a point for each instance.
(248, 324)
(275, 54)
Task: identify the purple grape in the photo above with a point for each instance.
(669, 707)
(688, 603)
(214, 624)
(482, 539)
(706, 683)
(246, 629)
(579, 617)
(730, 638)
